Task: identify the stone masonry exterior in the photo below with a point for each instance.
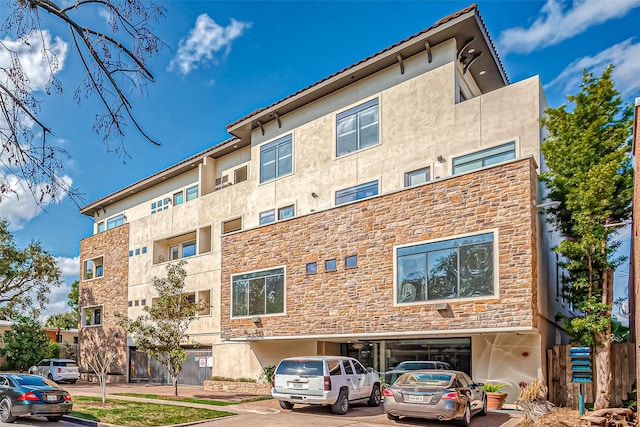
(109, 292)
(360, 300)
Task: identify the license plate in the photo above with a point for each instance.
(297, 385)
(52, 398)
(417, 399)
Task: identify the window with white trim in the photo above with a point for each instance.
(357, 128)
(357, 192)
(258, 293)
(276, 159)
(115, 221)
(178, 198)
(92, 316)
(101, 227)
(462, 267)
(483, 158)
(286, 212)
(267, 217)
(182, 250)
(192, 193)
(417, 177)
(232, 225)
(92, 268)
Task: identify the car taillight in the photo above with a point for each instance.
(450, 396)
(327, 383)
(387, 392)
(273, 380)
(28, 396)
(67, 398)
(59, 370)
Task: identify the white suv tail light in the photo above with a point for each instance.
(327, 383)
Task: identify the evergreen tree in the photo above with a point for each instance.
(588, 155)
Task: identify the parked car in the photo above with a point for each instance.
(57, 370)
(325, 380)
(31, 395)
(435, 394)
(412, 365)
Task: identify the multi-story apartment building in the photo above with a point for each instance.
(389, 211)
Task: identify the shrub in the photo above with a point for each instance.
(266, 375)
(493, 387)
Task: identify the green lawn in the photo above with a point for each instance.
(178, 399)
(139, 414)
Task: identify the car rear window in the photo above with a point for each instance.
(31, 380)
(68, 363)
(427, 379)
(300, 367)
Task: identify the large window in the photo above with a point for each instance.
(182, 250)
(358, 192)
(447, 269)
(115, 221)
(257, 293)
(192, 193)
(483, 158)
(275, 159)
(357, 128)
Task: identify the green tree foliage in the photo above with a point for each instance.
(74, 298)
(24, 344)
(588, 154)
(162, 331)
(26, 276)
(62, 321)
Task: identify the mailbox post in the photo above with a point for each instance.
(581, 369)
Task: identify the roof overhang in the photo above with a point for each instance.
(186, 165)
(465, 26)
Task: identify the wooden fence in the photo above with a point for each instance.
(564, 393)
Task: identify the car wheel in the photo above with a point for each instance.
(5, 411)
(392, 417)
(466, 417)
(286, 405)
(483, 411)
(50, 376)
(374, 398)
(73, 381)
(54, 419)
(341, 406)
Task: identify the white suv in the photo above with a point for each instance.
(325, 380)
(57, 370)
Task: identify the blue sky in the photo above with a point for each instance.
(225, 59)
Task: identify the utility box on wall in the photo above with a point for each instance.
(581, 367)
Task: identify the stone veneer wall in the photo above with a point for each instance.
(361, 300)
(110, 291)
(237, 387)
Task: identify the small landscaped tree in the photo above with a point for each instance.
(588, 153)
(162, 331)
(24, 344)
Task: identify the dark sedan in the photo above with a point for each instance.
(26, 395)
(435, 394)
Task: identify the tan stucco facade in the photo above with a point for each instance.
(430, 111)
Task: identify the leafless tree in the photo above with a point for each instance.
(100, 358)
(114, 59)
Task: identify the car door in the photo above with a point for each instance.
(475, 392)
(43, 368)
(352, 380)
(364, 380)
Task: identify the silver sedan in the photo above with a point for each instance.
(435, 394)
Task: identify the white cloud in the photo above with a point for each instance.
(69, 266)
(20, 206)
(37, 68)
(204, 40)
(624, 56)
(58, 301)
(557, 23)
